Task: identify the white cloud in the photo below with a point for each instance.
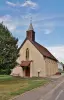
(29, 3)
(58, 52)
(7, 20)
(10, 26)
(47, 31)
(10, 3)
(49, 17)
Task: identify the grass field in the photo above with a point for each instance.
(12, 86)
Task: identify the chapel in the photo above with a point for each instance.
(34, 59)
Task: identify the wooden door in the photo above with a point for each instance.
(27, 72)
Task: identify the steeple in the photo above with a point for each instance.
(30, 34)
(30, 27)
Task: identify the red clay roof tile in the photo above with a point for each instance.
(25, 63)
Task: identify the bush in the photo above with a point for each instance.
(5, 72)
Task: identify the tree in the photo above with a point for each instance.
(8, 48)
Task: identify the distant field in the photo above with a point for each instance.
(12, 86)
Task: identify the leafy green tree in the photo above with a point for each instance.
(8, 48)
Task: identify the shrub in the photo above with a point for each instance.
(5, 72)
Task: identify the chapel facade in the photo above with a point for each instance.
(34, 60)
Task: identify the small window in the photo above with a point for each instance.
(27, 54)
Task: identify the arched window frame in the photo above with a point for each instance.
(27, 54)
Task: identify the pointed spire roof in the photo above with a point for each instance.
(30, 27)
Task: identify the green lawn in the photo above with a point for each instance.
(12, 86)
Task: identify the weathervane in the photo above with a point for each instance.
(31, 19)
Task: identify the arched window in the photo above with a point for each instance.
(27, 54)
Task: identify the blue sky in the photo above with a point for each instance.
(47, 19)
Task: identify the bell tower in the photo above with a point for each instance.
(30, 34)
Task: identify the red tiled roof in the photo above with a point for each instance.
(44, 51)
(25, 63)
(41, 49)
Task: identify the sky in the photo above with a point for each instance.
(47, 19)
